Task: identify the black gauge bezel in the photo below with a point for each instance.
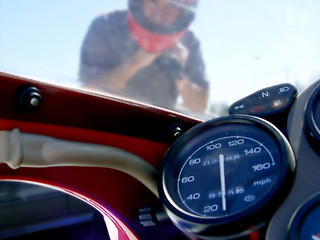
(311, 128)
(300, 215)
(258, 211)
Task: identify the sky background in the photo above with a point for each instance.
(247, 45)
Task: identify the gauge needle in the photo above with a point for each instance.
(223, 182)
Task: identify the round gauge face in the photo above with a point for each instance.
(226, 174)
(225, 169)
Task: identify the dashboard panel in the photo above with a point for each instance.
(286, 144)
(307, 181)
(218, 180)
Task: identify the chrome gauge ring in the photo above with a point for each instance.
(312, 119)
(305, 222)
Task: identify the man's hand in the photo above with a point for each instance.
(194, 97)
(179, 52)
(142, 59)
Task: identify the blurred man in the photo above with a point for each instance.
(147, 53)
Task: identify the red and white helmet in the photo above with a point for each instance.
(159, 39)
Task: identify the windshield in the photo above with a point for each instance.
(224, 49)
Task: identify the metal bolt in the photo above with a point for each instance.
(28, 97)
(34, 102)
(175, 131)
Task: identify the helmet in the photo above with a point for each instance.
(159, 38)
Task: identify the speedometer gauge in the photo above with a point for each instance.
(225, 176)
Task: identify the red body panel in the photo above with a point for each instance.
(78, 116)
